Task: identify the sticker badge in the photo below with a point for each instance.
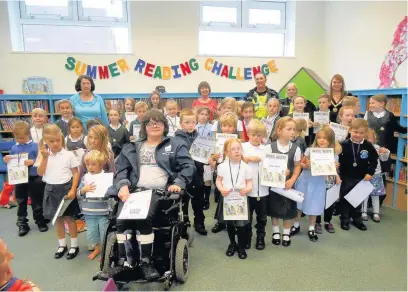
(364, 154)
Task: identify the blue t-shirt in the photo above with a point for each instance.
(32, 149)
(88, 110)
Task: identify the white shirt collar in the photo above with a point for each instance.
(379, 115)
(357, 142)
(62, 118)
(29, 142)
(110, 125)
(77, 139)
(272, 118)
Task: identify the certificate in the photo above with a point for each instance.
(235, 206)
(322, 161)
(136, 131)
(340, 131)
(17, 172)
(137, 206)
(359, 193)
(130, 117)
(292, 194)
(208, 173)
(102, 182)
(322, 118)
(219, 143)
(202, 148)
(332, 195)
(79, 153)
(273, 170)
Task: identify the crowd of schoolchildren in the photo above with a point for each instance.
(62, 155)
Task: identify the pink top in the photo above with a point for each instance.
(211, 104)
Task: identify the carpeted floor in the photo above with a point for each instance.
(353, 260)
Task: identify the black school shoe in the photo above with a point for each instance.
(294, 230)
(345, 225)
(276, 241)
(200, 229)
(359, 225)
(206, 206)
(232, 248)
(218, 227)
(242, 253)
(312, 236)
(72, 255)
(260, 243)
(60, 254)
(286, 243)
(42, 227)
(23, 229)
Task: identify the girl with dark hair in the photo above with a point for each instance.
(155, 102)
(85, 103)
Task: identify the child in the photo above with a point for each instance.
(377, 180)
(280, 207)
(358, 161)
(39, 118)
(98, 140)
(203, 126)
(228, 123)
(383, 122)
(313, 187)
(299, 140)
(187, 135)
(324, 104)
(299, 105)
(234, 175)
(59, 169)
(247, 113)
(354, 102)
(141, 107)
(34, 188)
(229, 105)
(274, 108)
(239, 108)
(118, 134)
(172, 118)
(65, 109)
(76, 140)
(253, 155)
(129, 108)
(96, 211)
(346, 115)
(155, 102)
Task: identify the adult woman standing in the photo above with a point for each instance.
(204, 90)
(287, 104)
(85, 103)
(337, 92)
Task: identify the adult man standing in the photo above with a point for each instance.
(260, 95)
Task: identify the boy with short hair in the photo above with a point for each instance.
(39, 119)
(172, 118)
(118, 134)
(354, 102)
(188, 134)
(140, 108)
(324, 104)
(358, 161)
(34, 188)
(65, 109)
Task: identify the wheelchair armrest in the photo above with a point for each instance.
(174, 196)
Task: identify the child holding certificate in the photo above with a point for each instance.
(280, 207)
(358, 162)
(95, 210)
(253, 155)
(313, 187)
(274, 108)
(234, 179)
(34, 188)
(134, 128)
(229, 105)
(299, 106)
(129, 110)
(324, 104)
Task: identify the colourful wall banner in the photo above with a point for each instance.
(239, 73)
(166, 72)
(97, 71)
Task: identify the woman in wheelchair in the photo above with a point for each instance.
(155, 161)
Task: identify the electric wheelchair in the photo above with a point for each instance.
(170, 254)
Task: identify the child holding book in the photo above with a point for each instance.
(141, 107)
(65, 109)
(34, 188)
(171, 116)
(234, 175)
(118, 134)
(39, 119)
(95, 210)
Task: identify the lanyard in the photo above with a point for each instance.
(354, 154)
(173, 125)
(239, 168)
(18, 159)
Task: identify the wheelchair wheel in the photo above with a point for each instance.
(181, 260)
(109, 251)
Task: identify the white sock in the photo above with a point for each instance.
(376, 204)
(74, 242)
(62, 242)
(311, 228)
(296, 224)
(275, 229)
(286, 231)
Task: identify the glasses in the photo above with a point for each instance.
(154, 124)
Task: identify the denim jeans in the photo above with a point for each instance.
(96, 228)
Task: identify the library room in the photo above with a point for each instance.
(172, 145)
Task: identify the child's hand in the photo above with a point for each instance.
(337, 164)
(338, 180)
(125, 122)
(244, 192)
(316, 124)
(289, 184)
(254, 159)
(368, 177)
(88, 188)
(309, 123)
(7, 158)
(28, 162)
(70, 196)
(174, 189)
(305, 163)
(287, 172)
(131, 138)
(124, 193)
(224, 192)
(44, 152)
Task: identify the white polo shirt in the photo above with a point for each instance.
(59, 167)
(260, 151)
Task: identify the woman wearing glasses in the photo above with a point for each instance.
(155, 161)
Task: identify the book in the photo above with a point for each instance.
(22, 107)
(61, 209)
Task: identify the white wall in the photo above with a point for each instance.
(164, 33)
(358, 35)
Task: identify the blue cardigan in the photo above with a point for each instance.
(87, 110)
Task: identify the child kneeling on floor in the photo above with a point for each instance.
(95, 210)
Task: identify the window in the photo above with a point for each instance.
(67, 26)
(247, 28)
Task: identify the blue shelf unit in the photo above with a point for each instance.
(395, 186)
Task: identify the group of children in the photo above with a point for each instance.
(62, 155)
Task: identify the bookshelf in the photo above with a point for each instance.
(397, 178)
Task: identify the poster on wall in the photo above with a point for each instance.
(37, 85)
